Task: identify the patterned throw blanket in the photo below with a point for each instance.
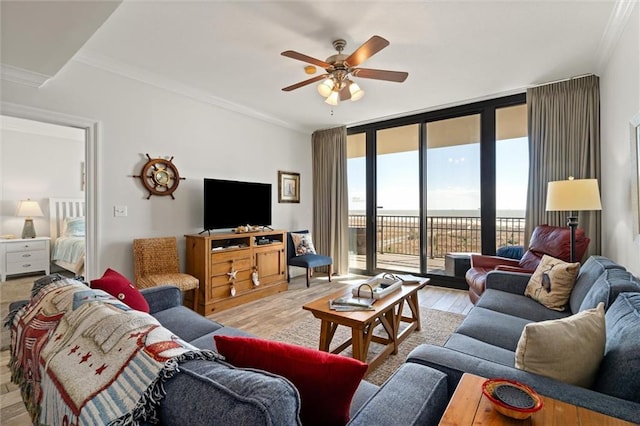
(81, 356)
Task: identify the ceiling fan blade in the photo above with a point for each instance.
(367, 50)
(304, 58)
(345, 93)
(397, 76)
(304, 83)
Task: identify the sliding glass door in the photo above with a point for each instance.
(398, 198)
(437, 185)
(453, 217)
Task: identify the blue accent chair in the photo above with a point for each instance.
(307, 261)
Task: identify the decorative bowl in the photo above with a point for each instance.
(511, 398)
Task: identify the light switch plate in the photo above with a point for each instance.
(119, 211)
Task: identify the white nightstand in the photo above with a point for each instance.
(20, 256)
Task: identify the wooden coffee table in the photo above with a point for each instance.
(468, 406)
(387, 313)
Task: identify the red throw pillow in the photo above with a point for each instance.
(121, 288)
(326, 382)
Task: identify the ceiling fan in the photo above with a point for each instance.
(337, 86)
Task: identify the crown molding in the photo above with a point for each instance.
(146, 77)
(23, 76)
(615, 26)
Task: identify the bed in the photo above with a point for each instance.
(67, 230)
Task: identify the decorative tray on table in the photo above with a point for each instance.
(377, 287)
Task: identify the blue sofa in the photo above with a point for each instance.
(485, 343)
(215, 392)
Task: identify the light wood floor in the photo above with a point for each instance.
(262, 318)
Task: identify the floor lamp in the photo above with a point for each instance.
(573, 195)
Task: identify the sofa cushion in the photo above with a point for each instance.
(478, 348)
(552, 282)
(326, 382)
(121, 288)
(619, 373)
(517, 305)
(589, 273)
(495, 328)
(208, 342)
(568, 349)
(185, 323)
(607, 287)
(216, 393)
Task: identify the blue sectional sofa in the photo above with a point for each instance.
(486, 341)
(211, 391)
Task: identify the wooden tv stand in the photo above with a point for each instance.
(226, 261)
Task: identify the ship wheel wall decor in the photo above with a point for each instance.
(160, 176)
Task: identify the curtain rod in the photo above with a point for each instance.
(562, 79)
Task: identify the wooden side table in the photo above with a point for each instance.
(469, 406)
(20, 256)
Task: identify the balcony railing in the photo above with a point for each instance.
(445, 234)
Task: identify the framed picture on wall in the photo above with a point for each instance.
(288, 187)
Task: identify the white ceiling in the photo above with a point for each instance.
(228, 52)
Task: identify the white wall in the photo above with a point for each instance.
(620, 102)
(38, 166)
(205, 141)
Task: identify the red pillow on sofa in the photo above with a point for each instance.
(121, 288)
(326, 382)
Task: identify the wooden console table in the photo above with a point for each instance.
(388, 313)
(469, 406)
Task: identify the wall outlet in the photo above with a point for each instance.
(119, 211)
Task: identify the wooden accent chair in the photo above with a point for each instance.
(156, 263)
(308, 261)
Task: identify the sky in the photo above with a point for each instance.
(453, 178)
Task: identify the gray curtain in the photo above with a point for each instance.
(330, 202)
(564, 140)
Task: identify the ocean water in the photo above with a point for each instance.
(443, 213)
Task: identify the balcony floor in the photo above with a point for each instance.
(397, 262)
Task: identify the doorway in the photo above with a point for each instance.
(48, 181)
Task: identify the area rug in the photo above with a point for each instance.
(437, 326)
(11, 291)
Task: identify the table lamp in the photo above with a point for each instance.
(573, 195)
(29, 209)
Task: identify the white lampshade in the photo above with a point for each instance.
(356, 92)
(29, 208)
(573, 195)
(333, 99)
(326, 87)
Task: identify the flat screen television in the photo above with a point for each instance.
(228, 204)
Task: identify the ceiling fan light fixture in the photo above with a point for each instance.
(356, 91)
(326, 87)
(333, 99)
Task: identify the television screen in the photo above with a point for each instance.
(228, 204)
